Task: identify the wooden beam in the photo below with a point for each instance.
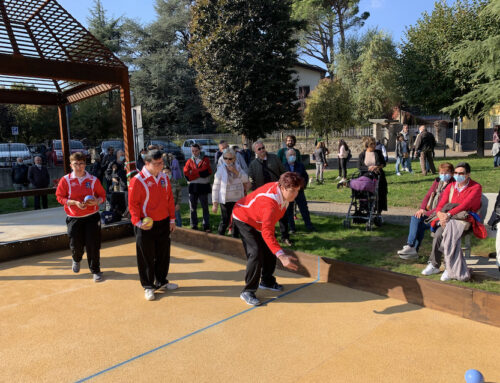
(29, 97)
(26, 193)
(63, 128)
(37, 11)
(128, 133)
(8, 28)
(22, 66)
(83, 92)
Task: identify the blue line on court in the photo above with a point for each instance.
(200, 330)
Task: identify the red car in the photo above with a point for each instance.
(55, 156)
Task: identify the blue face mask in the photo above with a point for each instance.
(291, 159)
(143, 156)
(460, 178)
(445, 177)
(122, 158)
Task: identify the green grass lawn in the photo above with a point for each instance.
(377, 248)
(406, 190)
(13, 205)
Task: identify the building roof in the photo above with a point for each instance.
(47, 54)
(311, 67)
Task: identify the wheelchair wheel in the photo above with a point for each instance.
(378, 221)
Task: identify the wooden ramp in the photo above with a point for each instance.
(61, 327)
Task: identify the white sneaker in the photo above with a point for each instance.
(338, 177)
(398, 174)
(407, 249)
(445, 276)
(430, 269)
(406, 169)
(149, 294)
(169, 286)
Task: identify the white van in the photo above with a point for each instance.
(10, 152)
(208, 146)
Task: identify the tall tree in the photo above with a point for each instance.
(243, 53)
(107, 30)
(163, 81)
(329, 108)
(327, 24)
(480, 90)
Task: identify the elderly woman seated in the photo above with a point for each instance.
(418, 224)
(453, 217)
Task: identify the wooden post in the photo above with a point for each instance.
(63, 129)
(128, 133)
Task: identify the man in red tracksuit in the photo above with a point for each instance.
(83, 220)
(150, 195)
(255, 216)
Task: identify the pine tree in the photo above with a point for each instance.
(243, 52)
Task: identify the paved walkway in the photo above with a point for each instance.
(58, 326)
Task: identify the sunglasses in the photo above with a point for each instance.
(261, 148)
(228, 158)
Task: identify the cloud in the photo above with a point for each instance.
(377, 3)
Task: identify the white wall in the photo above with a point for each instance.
(307, 77)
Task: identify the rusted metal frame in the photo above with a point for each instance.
(37, 11)
(8, 27)
(26, 193)
(83, 92)
(128, 134)
(39, 50)
(29, 97)
(58, 70)
(55, 38)
(63, 128)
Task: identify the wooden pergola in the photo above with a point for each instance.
(48, 58)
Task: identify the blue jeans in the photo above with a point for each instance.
(407, 163)
(417, 231)
(178, 220)
(399, 161)
(496, 160)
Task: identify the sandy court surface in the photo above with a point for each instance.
(57, 326)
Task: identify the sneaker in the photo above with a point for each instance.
(337, 178)
(275, 287)
(398, 174)
(430, 269)
(98, 277)
(406, 170)
(408, 250)
(168, 286)
(291, 231)
(76, 267)
(149, 294)
(250, 298)
(310, 229)
(287, 242)
(445, 276)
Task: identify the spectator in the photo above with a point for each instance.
(140, 160)
(418, 224)
(20, 179)
(83, 221)
(247, 154)
(197, 171)
(291, 140)
(266, 168)
(461, 195)
(402, 155)
(425, 145)
(494, 223)
(298, 167)
(495, 150)
(412, 145)
(380, 146)
(255, 217)
(320, 159)
(174, 166)
(177, 192)
(96, 169)
(108, 157)
(116, 175)
(405, 132)
(229, 186)
(239, 157)
(343, 153)
(38, 176)
(373, 161)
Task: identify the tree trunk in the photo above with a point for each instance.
(480, 137)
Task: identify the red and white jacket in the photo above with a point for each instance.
(73, 188)
(150, 196)
(262, 209)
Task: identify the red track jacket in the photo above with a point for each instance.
(262, 209)
(150, 197)
(468, 199)
(193, 171)
(69, 187)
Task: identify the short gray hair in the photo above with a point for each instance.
(258, 142)
(229, 151)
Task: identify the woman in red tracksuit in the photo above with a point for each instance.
(255, 216)
(150, 195)
(83, 220)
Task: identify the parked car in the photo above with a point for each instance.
(116, 144)
(39, 150)
(10, 152)
(168, 147)
(208, 146)
(55, 155)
